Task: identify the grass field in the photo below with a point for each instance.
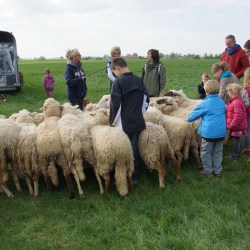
(192, 214)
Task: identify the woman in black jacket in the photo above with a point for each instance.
(75, 78)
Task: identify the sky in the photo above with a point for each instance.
(49, 27)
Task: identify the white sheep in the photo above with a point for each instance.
(155, 149)
(181, 134)
(104, 103)
(26, 149)
(49, 146)
(113, 150)
(8, 148)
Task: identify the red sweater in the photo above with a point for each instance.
(237, 62)
(236, 114)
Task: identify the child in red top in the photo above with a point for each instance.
(246, 85)
(236, 118)
(48, 83)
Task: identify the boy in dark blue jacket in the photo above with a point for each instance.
(128, 100)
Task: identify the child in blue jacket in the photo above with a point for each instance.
(212, 129)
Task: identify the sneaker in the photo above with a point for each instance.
(205, 174)
(232, 157)
(245, 152)
(218, 175)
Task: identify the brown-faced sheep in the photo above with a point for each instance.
(155, 149)
(113, 150)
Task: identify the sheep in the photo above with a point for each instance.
(104, 103)
(182, 100)
(26, 149)
(168, 106)
(8, 145)
(112, 150)
(181, 134)
(2, 117)
(49, 146)
(154, 148)
(76, 145)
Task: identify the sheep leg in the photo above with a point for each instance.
(99, 181)
(121, 178)
(16, 181)
(36, 185)
(52, 171)
(107, 182)
(162, 173)
(177, 164)
(75, 173)
(79, 169)
(195, 152)
(28, 182)
(66, 172)
(7, 191)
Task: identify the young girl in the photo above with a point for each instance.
(246, 86)
(236, 119)
(48, 83)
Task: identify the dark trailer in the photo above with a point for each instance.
(9, 75)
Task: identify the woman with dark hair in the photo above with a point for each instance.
(154, 73)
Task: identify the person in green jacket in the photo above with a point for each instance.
(154, 74)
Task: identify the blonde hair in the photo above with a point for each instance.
(205, 75)
(115, 49)
(70, 53)
(220, 65)
(212, 87)
(246, 82)
(234, 89)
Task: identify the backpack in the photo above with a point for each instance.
(245, 97)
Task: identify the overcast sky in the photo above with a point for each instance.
(50, 27)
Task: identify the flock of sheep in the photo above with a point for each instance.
(62, 136)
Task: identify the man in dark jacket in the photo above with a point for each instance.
(235, 57)
(75, 78)
(129, 99)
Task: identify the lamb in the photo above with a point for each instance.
(8, 147)
(49, 146)
(154, 148)
(112, 150)
(181, 134)
(26, 149)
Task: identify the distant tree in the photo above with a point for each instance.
(41, 58)
(134, 54)
(127, 55)
(161, 55)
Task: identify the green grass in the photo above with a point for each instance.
(192, 214)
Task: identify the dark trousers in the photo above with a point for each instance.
(80, 104)
(134, 138)
(236, 146)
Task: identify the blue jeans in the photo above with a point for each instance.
(134, 138)
(211, 156)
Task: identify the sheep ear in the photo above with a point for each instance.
(169, 93)
(42, 108)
